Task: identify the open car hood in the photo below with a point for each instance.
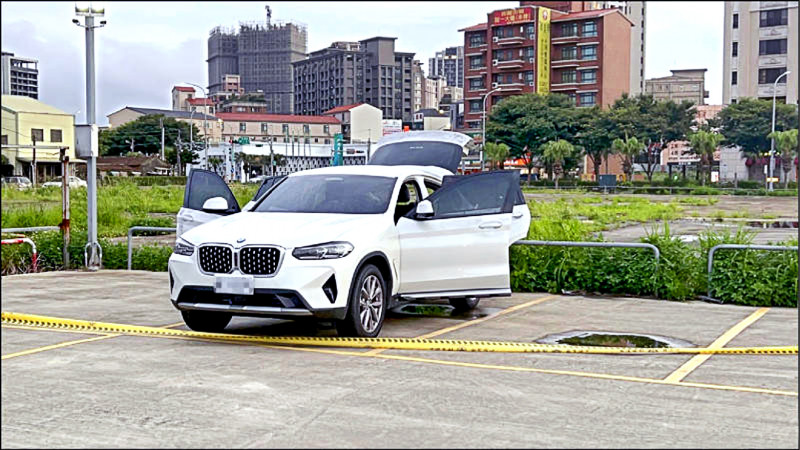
(422, 148)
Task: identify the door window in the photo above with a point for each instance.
(203, 185)
(407, 199)
(475, 195)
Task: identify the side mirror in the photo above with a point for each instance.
(215, 205)
(424, 210)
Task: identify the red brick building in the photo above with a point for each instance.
(544, 46)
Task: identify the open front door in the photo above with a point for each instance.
(201, 186)
(462, 248)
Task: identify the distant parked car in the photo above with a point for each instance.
(74, 182)
(17, 182)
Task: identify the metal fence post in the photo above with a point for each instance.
(131, 230)
(739, 247)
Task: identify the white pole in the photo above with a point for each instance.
(483, 134)
(772, 143)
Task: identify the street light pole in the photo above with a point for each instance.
(772, 144)
(93, 252)
(483, 133)
(205, 123)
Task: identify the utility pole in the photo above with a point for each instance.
(772, 142)
(65, 205)
(93, 252)
(161, 124)
(271, 159)
(178, 152)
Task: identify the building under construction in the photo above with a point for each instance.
(261, 53)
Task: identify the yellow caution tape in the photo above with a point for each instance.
(30, 320)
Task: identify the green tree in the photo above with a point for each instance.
(747, 124)
(704, 144)
(555, 152)
(497, 154)
(188, 155)
(628, 149)
(215, 162)
(526, 122)
(592, 135)
(786, 144)
(144, 135)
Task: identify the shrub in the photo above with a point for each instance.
(145, 181)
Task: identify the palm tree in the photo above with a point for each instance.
(786, 143)
(215, 162)
(704, 144)
(555, 152)
(497, 154)
(628, 149)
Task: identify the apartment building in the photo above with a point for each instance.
(20, 76)
(285, 128)
(369, 71)
(760, 44)
(448, 64)
(683, 84)
(584, 55)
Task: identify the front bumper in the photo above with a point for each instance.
(298, 289)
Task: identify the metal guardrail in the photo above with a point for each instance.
(653, 248)
(29, 229)
(669, 188)
(24, 240)
(131, 230)
(738, 247)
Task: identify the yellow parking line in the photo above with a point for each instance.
(472, 322)
(505, 368)
(55, 346)
(65, 344)
(697, 360)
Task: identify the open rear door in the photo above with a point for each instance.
(201, 186)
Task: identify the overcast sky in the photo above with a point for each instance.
(147, 47)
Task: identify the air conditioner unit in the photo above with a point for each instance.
(494, 62)
(530, 60)
(494, 38)
(530, 83)
(494, 85)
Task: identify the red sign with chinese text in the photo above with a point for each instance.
(509, 16)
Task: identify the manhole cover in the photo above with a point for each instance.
(609, 339)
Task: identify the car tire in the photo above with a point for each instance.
(366, 305)
(206, 321)
(463, 304)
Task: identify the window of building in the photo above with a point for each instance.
(528, 76)
(285, 128)
(326, 129)
(589, 52)
(503, 32)
(327, 141)
(735, 21)
(589, 29)
(587, 99)
(772, 47)
(589, 76)
(306, 129)
(569, 53)
(530, 30)
(504, 55)
(476, 83)
(571, 96)
(768, 76)
(475, 105)
(37, 134)
(569, 29)
(774, 17)
(528, 52)
(55, 135)
(734, 78)
(735, 50)
(4, 139)
(264, 127)
(503, 78)
(568, 76)
(477, 39)
(476, 62)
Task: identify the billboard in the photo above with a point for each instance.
(543, 52)
(391, 126)
(509, 16)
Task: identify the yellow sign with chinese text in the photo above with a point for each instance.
(543, 52)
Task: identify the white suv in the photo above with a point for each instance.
(347, 243)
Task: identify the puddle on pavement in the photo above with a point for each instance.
(607, 339)
(445, 311)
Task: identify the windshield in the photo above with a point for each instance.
(334, 194)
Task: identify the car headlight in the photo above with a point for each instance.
(183, 248)
(328, 250)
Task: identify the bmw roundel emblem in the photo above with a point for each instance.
(240, 240)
